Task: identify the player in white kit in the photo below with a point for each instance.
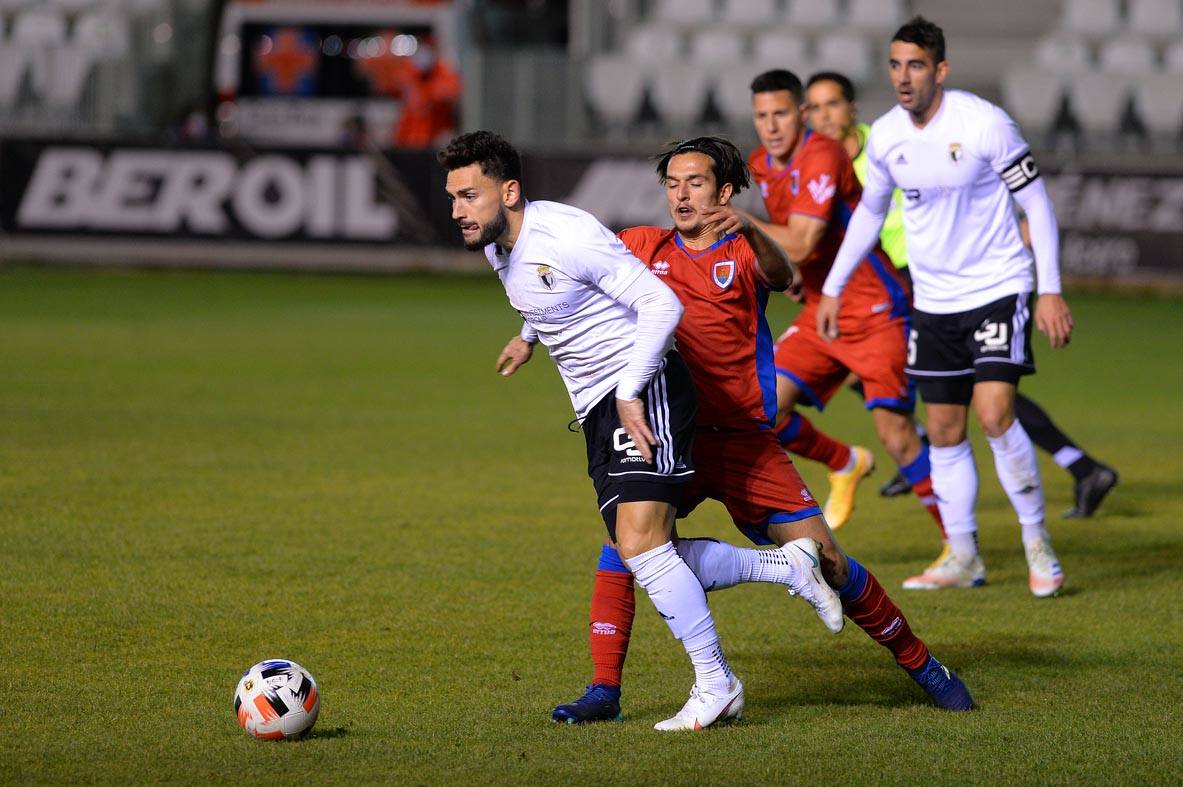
(608, 324)
(960, 161)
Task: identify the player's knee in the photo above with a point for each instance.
(995, 421)
(899, 438)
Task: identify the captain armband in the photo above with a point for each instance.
(1020, 173)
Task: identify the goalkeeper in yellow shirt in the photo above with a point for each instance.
(831, 110)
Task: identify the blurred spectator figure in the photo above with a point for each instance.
(430, 93)
(193, 128)
(355, 134)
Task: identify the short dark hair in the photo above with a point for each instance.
(498, 159)
(778, 79)
(726, 160)
(841, 80)
(924, 34)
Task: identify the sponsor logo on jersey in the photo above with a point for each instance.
(955, 152)
(795, 182)
(661, 268)
(546, 276)
(723, 273)
(822, 189)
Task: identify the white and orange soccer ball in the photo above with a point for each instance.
(277, 700)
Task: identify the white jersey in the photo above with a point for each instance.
(573, 281)
(956, 174)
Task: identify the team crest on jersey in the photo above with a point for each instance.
(795, 182)
(546, 276)
(723, 273)
(955, 152)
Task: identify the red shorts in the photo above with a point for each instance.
(876, 357)
(752, 476)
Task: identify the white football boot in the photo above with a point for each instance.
(705, 708)
(811, 586)
(1045, 578)
(950, 570)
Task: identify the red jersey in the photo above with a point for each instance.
(723, 335)
(820, 182)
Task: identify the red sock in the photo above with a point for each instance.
(612, 609)
(799, 436)
(923, 490)
(866, 603)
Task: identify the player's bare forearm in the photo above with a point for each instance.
(774, 263)
(798, 238)
(516, 353)
(1054, 318)
(634, 422)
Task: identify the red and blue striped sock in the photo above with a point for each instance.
(919, 474)
(613, 607)
(799, 436)
(867, 604)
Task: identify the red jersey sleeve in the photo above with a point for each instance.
(642, 241)
(820, 178)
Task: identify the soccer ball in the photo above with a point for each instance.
(277, 700)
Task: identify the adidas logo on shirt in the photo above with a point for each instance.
(901, 160)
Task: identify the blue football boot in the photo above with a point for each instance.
(598, 703)
(942, 685)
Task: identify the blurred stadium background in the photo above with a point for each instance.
(299, 133)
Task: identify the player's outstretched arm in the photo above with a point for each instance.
(1054, 318)
(774, 263)
(798, 238)
(516, 353)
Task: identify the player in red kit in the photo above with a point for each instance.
(810, 191)
(723, 267)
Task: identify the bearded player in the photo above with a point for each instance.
(723, 267)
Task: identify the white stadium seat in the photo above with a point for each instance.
(1172, 58)
(1063, 53)
(69, 71)
(1156, 18)
(679, 91)
(13, 64)
(750, 13)
(813, 14)
(684, 12)
(615, 88)
(779, 49)
(38, 27)
(103, 33)
(848, 54)
(877, 15)
(717, 45)
(1127, 55)
(1098, 99)
(733, 94)
(1032, 97)
(1158, 99)
(655, 44)
(1091, 17)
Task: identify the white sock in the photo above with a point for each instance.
(955, 484)
(1018, 470)
(719, 565)
(679, 598)
(1068, 455)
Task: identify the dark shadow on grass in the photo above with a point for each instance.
(325, 734)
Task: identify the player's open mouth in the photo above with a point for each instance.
(469, 229)
(685, 211)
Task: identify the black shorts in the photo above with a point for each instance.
(617, 470)
(948, 353)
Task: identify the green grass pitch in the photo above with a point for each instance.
(199, 471)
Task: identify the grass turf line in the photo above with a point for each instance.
(199, 471)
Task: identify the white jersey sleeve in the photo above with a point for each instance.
(865, 224)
